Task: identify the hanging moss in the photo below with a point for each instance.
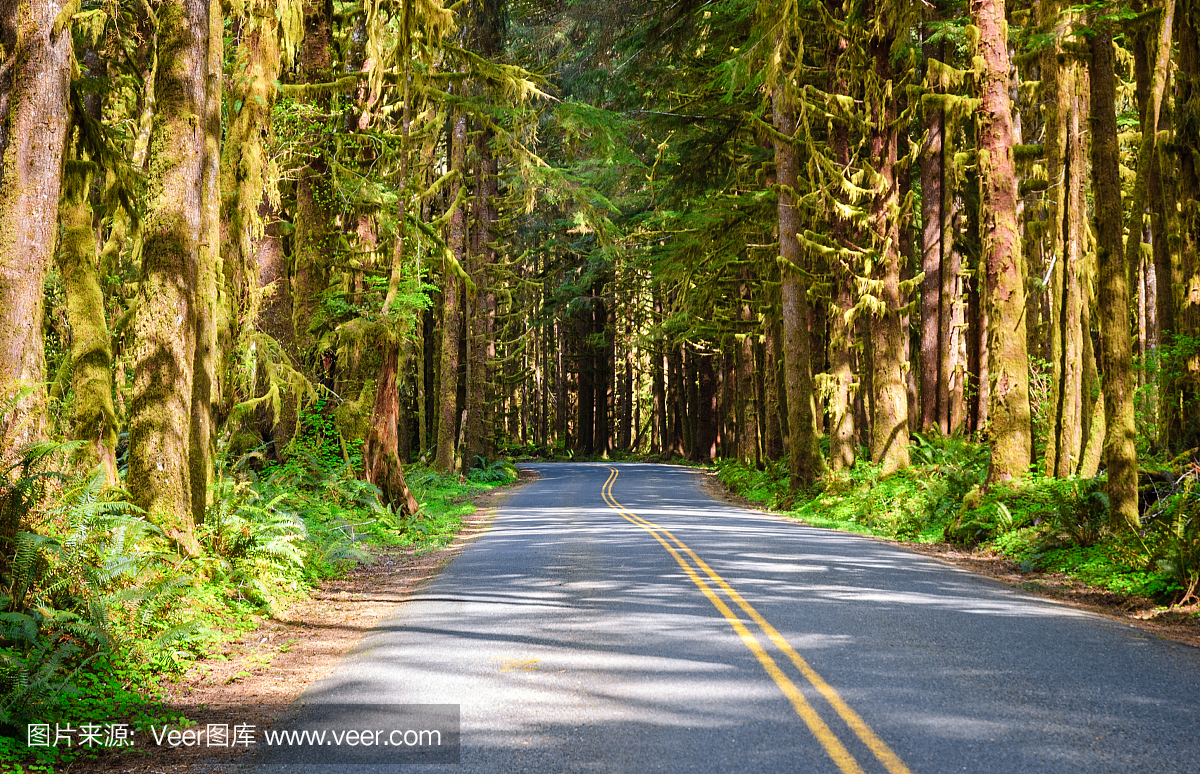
(94, 417)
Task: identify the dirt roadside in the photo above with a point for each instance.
(263, 671)
(1177, 625)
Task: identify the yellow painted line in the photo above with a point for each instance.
(877, 746)
(833, 746)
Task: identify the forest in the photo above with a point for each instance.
(271, 267)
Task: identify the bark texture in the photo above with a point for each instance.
(1003, 259)
(1116, 355)
(1065, 109)
(36, 63)
(315, 238)
(805, 462)
(381, 448)
(211, 301)
(164, 327)
(94, 419)
(889, 435)
(446, 441)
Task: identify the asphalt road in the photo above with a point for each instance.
(576, 638)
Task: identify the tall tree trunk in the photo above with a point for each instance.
(1003, 260)
(691, 381)
(658, 389)
(314, 238)
(1152, 60)
(94, 420)
(585, 389)
(1066, 171)
(457, 244)
(212, 301)
(381, 448)
(676, 395)
(164, 327)
(481, 323)
(1116, 366)
(932, 174)
(747, 398)
(889, 436)
(602, 381)
(805, 462)
(1167, 277)
(422, 388)
(35, 71)
(840, 406)
(629, 429)
(561, 409)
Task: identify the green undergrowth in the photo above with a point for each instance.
(1046, 525)
(99, 611)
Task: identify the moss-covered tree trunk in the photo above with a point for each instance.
(243, 174)
(1167, 277)
(164, 327)
(1064, 108)
(35, 71)
(747, 408)
(562, 408)
(314, 239)
(805, 464)
(658, 392)
(839, 408)
(1116, 355)
(585, 386)
(94, 418)
(706, 408)
(1003, 258)
(889, 433)
(212, 302)
(457, 243)
(953, 312)
(602, 374)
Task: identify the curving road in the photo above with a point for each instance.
(616, 619)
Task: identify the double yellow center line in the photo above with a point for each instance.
(693, 566)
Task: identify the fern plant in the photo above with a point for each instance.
(256, 541)
(1083, 512)
(81, 552)
(1174, 531)
(496, 472)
